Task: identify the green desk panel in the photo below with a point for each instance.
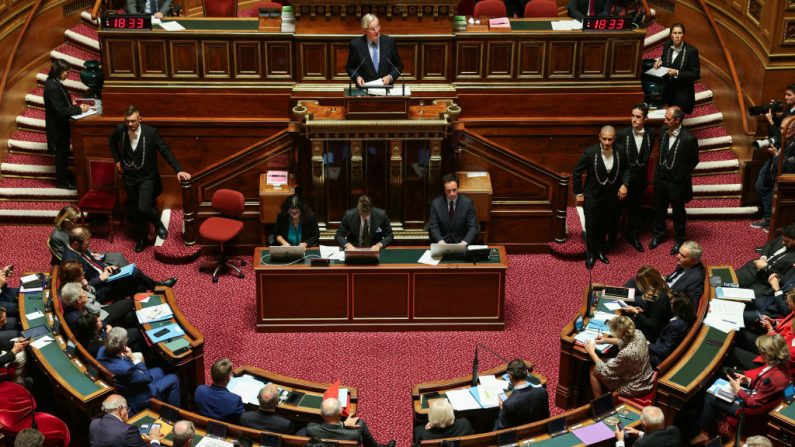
(533, 25)
(725, 274)
(395, 256)
(789, 411)
(311, 401)
(61, 363)
(699, 360)
(567, 440)
(154, 300)
(35, 301)
(217, 25)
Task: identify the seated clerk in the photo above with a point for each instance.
(653, 305)
(689, 274)
(353, 429)
(216, 401)
(745, 354)
(765, 388)
(364, 226)
(442, 423)
(265, 417)
(97, 272)
(525, 404)
(453, 219)
(133, 379)
(675, 331)
(296, 225)
(118, 313)
(157, 8)
(654, 433)
(777, 257)
(579, 9)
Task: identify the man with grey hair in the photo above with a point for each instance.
(265, 417)
(352, 429)
(112, 429)
(29, 437)
(183, 434)
(132, 378)
(758, 441)
(607, 176)
(654, 433)
(689, 275)
(373, 55)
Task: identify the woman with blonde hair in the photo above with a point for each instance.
(68, 218)
(653, 307)
(441, 423)
(629, 372)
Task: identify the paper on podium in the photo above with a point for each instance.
(332, 253)
(566, 25)
(489, 380)
(374, 83)
(213, 442)
(462, 400)
(171, 25)
(734, 293)
(659, 72)
(487, 396)
(427, 259)
(247, 387)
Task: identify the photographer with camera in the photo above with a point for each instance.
(774, 112)
(8, 295)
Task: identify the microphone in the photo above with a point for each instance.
(589, 300)
(353, 76)
(489, 350)
(475, 368)
(399, 74)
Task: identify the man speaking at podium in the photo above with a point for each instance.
(373, 55)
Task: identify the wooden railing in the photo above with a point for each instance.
(95, 9)
(13, 53)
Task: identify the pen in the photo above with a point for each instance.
(729, 321)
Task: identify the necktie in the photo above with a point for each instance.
(366, 234)
(451, 210)
(592, 8)
(93, 263)
(374, 55)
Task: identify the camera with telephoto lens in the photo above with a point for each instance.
(774, 106)
(764, 143)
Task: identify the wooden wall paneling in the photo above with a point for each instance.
(593, 60)
(499, 59)
(216, 59)
(562, 59)
(121, 64)
(625, 60)
(435, 61)
(247, 59)
(408, 56)
(279, 60)
(531, 59)
(313, 61)
(153, 59)
(469, 58)
(339, 60)
(185, 59)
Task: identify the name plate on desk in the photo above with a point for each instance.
(367, 107)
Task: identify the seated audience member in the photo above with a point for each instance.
(442, 423)
(675, 331)
(453, 219)
(579, 9)
(77, 301)
(653, 304)
(9, 326)
(772, 305)
(97, 272)
(629, 372)
(757, 441)
(265, 417)
(352, 429)
(689, 274)
(296, 225)
(216, 401)
(183, 433)
(745, 354)
(364, 226)
(90, 332)
(654, 433)
(526, 403)
(29, 437)
(133, 379)
(764, 388)
(70, 217)
(777, 257)
(161, 7)
(112, 430)
(12, 348)
(9, 296)
(72, 271)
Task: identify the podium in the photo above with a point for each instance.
(376, 107)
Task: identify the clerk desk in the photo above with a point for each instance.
(397, 295)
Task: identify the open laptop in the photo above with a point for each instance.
(602, 407)
(362, 256)
(286, 254)
(448, 250)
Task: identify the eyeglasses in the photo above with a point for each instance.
(374, 28)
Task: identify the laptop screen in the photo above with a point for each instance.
(556, 426)
(602, 406)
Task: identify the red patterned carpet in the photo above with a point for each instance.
(542, 294)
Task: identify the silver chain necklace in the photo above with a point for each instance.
(616, 168)
(637, 159)
(673, 159)
(671, 56)
(132, 164)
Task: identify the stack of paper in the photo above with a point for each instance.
(735, 294)
(31, 283)
(154, 313)
(247, 387)
(566, 25)
(213, 442)
(725, 315)
(334, 253)
(462, 400)
(723, 390)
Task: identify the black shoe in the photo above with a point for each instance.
(636, 245)
(654, 243)
(590, 260)
(162, 233)
(170, 282)
(601, 256)
(140, 244)
(675, 248)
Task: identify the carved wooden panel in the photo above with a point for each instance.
(531, 60)
(789, 32)
(313, 61)
(470, 60)
(625, 60)
(215, 59)
(755, 10)
(499, 59)
(121, 64)
(434, 61)
(247, 57)
(408, 56)
(185, 59)
(279, 60)
(562, 59)
(152, 58)
(339, 59)
(593, 59)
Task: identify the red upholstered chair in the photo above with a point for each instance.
(230, 203)
(254, 10)
(541, 8)
(754, 420)
(17, 411)
(490, 9)
(219, 8)
(102, 193)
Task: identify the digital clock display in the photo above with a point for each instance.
(606, 23)
(127, 22)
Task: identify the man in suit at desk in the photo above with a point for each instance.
(364, 227)
(777, 257)
(157, 8)
(373, 55)
(453, 219)
(689, 275)
(112, 430)
(654, 433)
(216, 401)
(265, 418)
(183, 434)
(579, 9)
(353, 429)
(525, 404)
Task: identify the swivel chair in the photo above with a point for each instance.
(230, 203)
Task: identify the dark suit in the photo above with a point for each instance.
(58, 109)
(673, 182)
(463, 227)
(9, 298)
(380, 228)
(218, 403)
(139, 6)
(267, 420)
(637, 160)
(655, 315)
(460, 427)
(106, 291)
(578, 9)
(749, 277)
(671, 335)
(523, 406)
(110, 431)
(680, 91)
(601, 200)
(667, 437)
(359, 55)
(338, 432)
(309, 229)
(140, 173)
(691, 282)
(138, 384)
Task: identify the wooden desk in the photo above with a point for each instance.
(397, 295)
(781, 427)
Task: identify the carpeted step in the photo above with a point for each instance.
(28, 165)
(72, 82)
(31, 119)
(74, 55)
(717, 179)
(704, 115)
(655, 35)
(718, 154)
(29, 213)
(711, 210)
(36, 97)
(726, 190)
(34, 189)
(718, 166)
(84, 35)
(85, 16)
(27, 141)
(173, 250)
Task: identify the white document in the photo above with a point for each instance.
(156, 21)
(489, 396)
(720, 324)
(462, 400)
(24, 289)
(566, 25)
(154, 313)
(726, 307)
(659, 72)
(332, 253)
(29, 278)
(34, 315)
(427, 259)
(586, 335)
(603, 316)
(735, 293)
(212, 442)
(493, 381)
(247, 387)
(42, 342)
(378, 82)
(88, 112)
(342, 396)
(477, 247)
(613, 306)
(171, 25)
